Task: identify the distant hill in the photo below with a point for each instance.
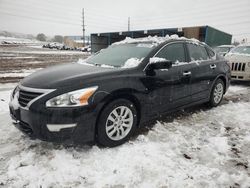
(17, 35)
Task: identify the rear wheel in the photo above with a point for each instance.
(217, 93)
(117, 123)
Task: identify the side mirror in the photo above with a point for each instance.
(166, 64)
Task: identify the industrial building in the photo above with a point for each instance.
(209, 35)
(78, 40)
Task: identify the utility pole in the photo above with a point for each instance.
(128, 23)
(83, 27)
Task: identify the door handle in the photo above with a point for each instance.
(187, 73)
(213, 66)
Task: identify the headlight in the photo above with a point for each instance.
(74, 98)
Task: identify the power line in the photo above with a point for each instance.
(218, 9)
(46, 20)
(216, 16)
(159, 18)
(97, 11)
(113, 23)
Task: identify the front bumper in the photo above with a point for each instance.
(244, 76)
(63, 125)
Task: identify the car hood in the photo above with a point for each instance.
(236, 57)
(62, 76)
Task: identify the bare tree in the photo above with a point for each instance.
(58, 38)
(41, 37)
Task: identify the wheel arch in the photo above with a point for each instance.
(128, 94)
(224, 79)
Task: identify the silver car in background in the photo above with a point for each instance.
(239, 60)
(223, 49)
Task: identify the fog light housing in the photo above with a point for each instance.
(59, 127)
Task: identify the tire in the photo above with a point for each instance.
(217, 93)
(114, 129)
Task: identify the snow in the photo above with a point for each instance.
(198, 148)
(4, 101)
(155, 40)
(51, 51)
(84, 62)
(21, 73)
(176, 63)
(107, 66)
(13, 40)
(156, 59)
(226, 46)
(132, 62)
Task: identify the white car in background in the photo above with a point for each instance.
(239, 60)
(223, 49)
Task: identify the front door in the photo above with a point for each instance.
(168, 89)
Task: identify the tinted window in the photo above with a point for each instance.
(197, 52)
(173, 52)
(210, 52)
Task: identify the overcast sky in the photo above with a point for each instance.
(65, 17)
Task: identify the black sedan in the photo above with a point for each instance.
(117, 90)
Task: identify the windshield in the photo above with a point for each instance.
(222, 49)
(118, 55)
(241, 50)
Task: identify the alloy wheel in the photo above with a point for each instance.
(119, 123)
(218, 93)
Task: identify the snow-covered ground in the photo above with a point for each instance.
(199, 147)
(19, 73)
(51, 51)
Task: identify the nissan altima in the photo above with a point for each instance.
(112, 93)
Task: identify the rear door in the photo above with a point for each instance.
(204, 71)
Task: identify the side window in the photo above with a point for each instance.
(197, 52)
(173, 52)
(210, 52)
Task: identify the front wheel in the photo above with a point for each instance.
(117, 123)
(217, 93)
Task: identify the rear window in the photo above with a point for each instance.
(197, 52)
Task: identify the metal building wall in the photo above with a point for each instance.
(202, 33)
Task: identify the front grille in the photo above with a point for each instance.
(26, 96)
(238, 67)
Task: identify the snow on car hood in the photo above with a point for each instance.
(237, 57)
